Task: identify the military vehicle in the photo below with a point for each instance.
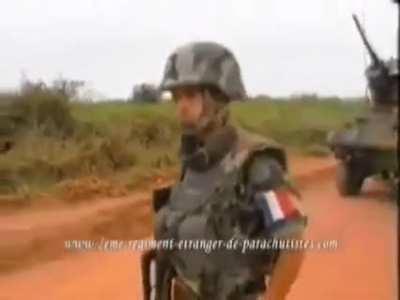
(368, 145)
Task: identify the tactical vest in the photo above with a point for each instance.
(208, 206)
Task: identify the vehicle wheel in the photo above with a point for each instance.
(349, 179)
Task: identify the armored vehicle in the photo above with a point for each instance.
(368, 145)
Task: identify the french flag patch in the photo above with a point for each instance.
(277, 207)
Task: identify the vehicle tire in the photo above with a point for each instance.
(349, 179)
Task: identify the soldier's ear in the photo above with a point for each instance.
(160, 197)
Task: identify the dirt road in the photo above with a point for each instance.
(363, 266)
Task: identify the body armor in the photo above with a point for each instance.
(216, 205)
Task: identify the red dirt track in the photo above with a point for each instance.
(362, 267)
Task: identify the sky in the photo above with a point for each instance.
(283, 47)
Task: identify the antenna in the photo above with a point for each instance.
(363, 24)
(367, 92)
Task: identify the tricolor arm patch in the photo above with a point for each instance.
(278, 208)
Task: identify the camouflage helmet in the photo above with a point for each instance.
(204, 63)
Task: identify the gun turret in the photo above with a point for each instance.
(381, 81)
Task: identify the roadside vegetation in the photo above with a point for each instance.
(56, 141)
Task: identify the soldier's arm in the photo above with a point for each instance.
(266, 175)
(285, 271)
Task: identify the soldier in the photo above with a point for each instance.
(233, 187)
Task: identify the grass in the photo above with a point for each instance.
(125, 142)
(295, 123)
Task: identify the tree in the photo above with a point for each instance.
(67, 88)
(145, 93)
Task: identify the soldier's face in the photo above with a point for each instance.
(189, 102)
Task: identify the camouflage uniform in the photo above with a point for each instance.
(220, 194)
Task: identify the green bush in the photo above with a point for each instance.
(68, 140)
(45, 110)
